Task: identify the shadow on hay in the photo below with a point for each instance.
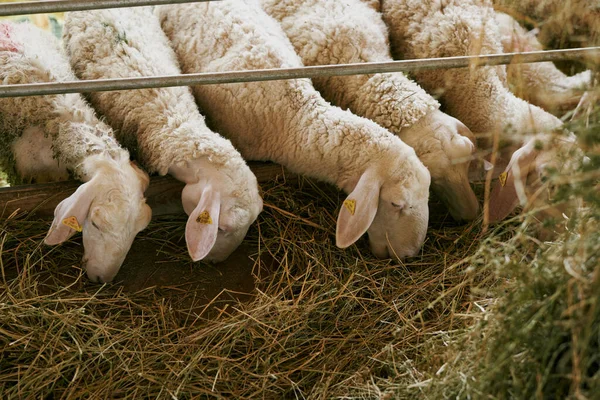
(158, 262)
(297, 317)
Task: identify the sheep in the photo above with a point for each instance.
(288, 122)
(326, 32)
(479, 97)
(50, 138)
(164, 126)
(541, 84)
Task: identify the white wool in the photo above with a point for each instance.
(43, 136)
(326, 32)
(480, 97)
(351, 31)
(542, 84)
(288, 121)
(162, 126)
(30, 55)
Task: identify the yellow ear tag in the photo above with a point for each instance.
(350, 204)
(72, 223)
(204, 218)
(502, 177)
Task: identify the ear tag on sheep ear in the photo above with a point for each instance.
(72, 223)
(350, 205)
(502, 178)
(358, 210)
(204, 218)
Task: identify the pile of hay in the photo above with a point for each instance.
(323, 321)
(494, 314)
(478, 314)
(540, 338)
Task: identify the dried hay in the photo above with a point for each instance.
(494, 314)
(462, 319)
(319, 324)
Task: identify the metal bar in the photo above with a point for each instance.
(208, 78)
(55, 6)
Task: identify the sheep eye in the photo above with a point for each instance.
(396, 205)
(95, 226)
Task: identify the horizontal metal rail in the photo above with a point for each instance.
(207, 78)
(56, 6)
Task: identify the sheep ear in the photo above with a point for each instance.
(203, 224)
(70, 214)
(358, 211)
(506, 193)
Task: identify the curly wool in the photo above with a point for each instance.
(162, 126)
(342, 32)
(542, 84)
(479, 97)
(284, 121)
(30, 55)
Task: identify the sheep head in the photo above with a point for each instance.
(390, 202)
(524, 181)
(221, 207)
(109, 209)
(446, 146)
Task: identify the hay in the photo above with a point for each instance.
(463, 319)
(323, 323)
(476, 315)
(319, 324)
(540, 336)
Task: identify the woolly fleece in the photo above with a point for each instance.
(30, 55)
(284, 121)
(479, 97)
(342, 32)
(350, 31)
(162, 126)
(542, 84)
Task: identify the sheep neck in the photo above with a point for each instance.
(331, 144)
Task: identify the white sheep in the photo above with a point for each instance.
(290, 123)
(46, 137)
(343, 32)
(479, 97)
(164, 126)
(542, 84)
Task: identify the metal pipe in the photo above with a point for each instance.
(209, 78)
(55, 6)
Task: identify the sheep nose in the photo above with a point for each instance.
(97, 275)
(98, 278)
(94, 278)
(401, 254)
